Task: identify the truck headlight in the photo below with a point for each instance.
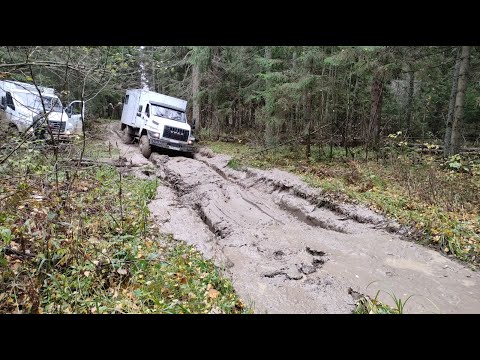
(153, 134)
(189, 142)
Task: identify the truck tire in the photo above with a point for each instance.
(127, 138)
(145, 147)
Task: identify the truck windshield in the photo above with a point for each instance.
(167, 113)
(33, 102)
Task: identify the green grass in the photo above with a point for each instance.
(234, 164)
(231, 148)
(97, 149)
(366, 305)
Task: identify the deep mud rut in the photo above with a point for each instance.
(289, 250)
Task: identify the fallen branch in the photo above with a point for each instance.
(9, 251)
(117, 163)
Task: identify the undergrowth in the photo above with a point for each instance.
(80, 240)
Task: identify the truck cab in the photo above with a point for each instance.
(157, 120)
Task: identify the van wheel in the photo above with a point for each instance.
(127, 138)
(145, 147)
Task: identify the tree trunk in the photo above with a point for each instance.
(411, 88)
(269, 136)
(196, 100)
(376, 109)
(451, 107)
(460, 101)
(308, 117)
(268, 52)
(153, 76)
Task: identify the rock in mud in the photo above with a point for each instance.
(307, 269)
(315, 252)
(318, 262)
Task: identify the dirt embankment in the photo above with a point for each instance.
(288, 249)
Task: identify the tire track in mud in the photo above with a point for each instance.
(288, 249)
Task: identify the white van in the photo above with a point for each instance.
(21, 108)
(157, 120)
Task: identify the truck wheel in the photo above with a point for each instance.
(127, 138)
(145, 147)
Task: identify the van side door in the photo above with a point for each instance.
(76, 112)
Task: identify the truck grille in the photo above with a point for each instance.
(57, 126)
(175, 133)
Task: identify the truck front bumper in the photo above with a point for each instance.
(166, 144)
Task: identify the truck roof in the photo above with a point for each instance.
(163, 100)
(17, 85)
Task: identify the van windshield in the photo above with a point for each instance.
(33, 102)
(167, 113)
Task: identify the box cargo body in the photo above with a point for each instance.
(157, 120)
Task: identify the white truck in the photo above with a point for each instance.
(157, 120)
(21, 110)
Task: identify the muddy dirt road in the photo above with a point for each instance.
(288, 249)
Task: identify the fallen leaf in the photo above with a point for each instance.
(122, 271)
(15, 266)
(213, 293)
(181, 278)
(86, 273)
